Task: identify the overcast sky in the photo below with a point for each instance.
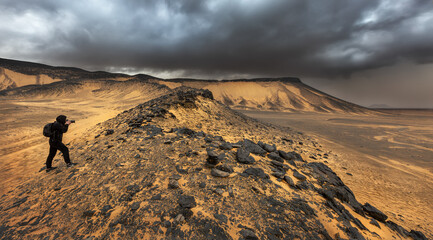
(363, 51)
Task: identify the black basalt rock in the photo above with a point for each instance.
(374, 212)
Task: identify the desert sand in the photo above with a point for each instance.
(385, 159)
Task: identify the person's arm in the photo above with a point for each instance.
(65, 127)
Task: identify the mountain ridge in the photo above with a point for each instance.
(265, 94)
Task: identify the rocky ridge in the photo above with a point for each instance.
(185, 166)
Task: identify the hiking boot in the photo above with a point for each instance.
(71, 164)
(50, 169)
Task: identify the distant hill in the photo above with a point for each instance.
(379, 106)
(287, 94)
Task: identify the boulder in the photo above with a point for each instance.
(267, 147)
(243, 156)
(218, 173)
(186, 201)
(251, 147)
(374, 212)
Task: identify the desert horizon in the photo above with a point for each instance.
(382, 155)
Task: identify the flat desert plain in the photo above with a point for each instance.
(386, 159)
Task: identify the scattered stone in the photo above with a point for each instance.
(180, 170)
(289, 181)
(218, 173)
(135, 206)
(299, 176)
(88, 213)
(417, 235)
(202, 185)
(173, 184)
(168, 142)
(287, 139)
(278, 174)
(157, 197)
(276, 157)
(57, 188)
(105, 209)
(267, 147)
(179, 218)
(225, 168)
(349, 174)
(375, 223)
(218, 191)
(214, 158)
(248, 234)
(137, 156)
(251, 147)
(186, 201)
(374, 212)
(221, 217)
(243, 156)
(226, 146)
(236, 145)
(109, 132)
(258, 172)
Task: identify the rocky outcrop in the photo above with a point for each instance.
(184, 166)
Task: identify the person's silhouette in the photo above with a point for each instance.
(59, 127)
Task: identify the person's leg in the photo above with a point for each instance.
(53, 151)
(65, 152)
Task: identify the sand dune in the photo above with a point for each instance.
(267, 94)
(280, 94)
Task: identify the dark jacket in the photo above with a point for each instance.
(59, 127)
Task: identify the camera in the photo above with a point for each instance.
(72, 121)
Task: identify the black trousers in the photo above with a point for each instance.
(53, 150)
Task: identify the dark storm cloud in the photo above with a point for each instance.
(220, 37)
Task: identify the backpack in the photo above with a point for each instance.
(48, 131)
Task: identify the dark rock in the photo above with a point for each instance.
(225, 168)
(374, 212)
(278, 174)
(156, 197)
(258, 172)
(186, 201)
(416, 235)
(185, 131)
(276, 157)
(251, 147)
(299, 176)
(248, 234)
(221, 217)
(354, 233)
(298, 205)
(226, 146)
(109, 132)
(394, 226)
(290, 155)
(137, 156)
(243, 156)
(267, 147)
(218, 173)
(180, 170)
(105, 209)
(375, 223)
(214, 158)
(135, 206)
(173, 183)
(202, 185)
(289, 181)
(88, 213)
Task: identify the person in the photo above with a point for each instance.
(59, 127)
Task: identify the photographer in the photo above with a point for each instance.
(59, 127)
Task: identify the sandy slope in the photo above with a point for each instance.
(262, 94)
